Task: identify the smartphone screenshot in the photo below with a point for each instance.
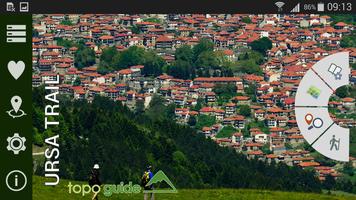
(178, 100)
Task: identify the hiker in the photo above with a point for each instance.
(94, 179)
(334, 143)
(146, 177)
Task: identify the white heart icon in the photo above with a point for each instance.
(16, 69)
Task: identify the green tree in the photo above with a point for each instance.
(245, 110)
(342, 92)
(37, 138)
(246, 20)
(135, 29)
(132, 56)
(207, 60)
(153, 20)
(266, 149)
(192, 121)
(65, 43)
(329, 182)
(107, 56)
(84, 57)
(181, 69)
(77, 81)
(249, 67)
(261, 45)
(205, 120)
(139, 107)
(348, 41)
(66, 22)
(225, 91)
(35, 32)
(226, 132)
(203, 45)
(153, 64)
(185, 53)
(348, 169)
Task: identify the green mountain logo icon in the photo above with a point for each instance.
(159, 177)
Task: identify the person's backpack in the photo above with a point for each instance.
(91, 180)
(145, 179)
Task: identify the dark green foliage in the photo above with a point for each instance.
(153, 20)
(348, 169)
(246, 20)
(258, 124)
(344, 184)
(203, 46)
(84, 57)
(192, 121)
(135, 29)
(112, 60)
(348, 40)
(65, 43)
(205, 120)
(261, 45)
(266, 149)
(132, 56)
(251, 91)
(342, 92)
(346, 18)
(185, 53)
(329, 182)
(225, 92)
(181, 69)
(106, 58)
(153, 64)
(124, 143)
(66, 22)
(353, 141)
(249, 62)
(34, 33)
(226, 132)
(77, 82)
(207, 59)
(245, 110)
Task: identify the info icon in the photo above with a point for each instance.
(16, 180)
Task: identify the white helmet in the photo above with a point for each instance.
(96, 166)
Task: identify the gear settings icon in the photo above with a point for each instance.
(16, 143)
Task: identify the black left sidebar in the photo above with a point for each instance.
(16, 106)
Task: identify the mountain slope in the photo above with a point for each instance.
(124, 143)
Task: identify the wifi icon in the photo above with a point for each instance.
(279, 4)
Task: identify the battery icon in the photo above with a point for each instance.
(321, 7)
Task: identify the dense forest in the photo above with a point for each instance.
(124, 142)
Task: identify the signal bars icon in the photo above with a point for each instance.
(296, 9)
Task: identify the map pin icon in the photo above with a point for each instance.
(16, 102)
(309, 118)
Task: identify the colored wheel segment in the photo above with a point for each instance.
(312, 91)
(334, 69)
(334, 143)
(313, 122)
(312, 114)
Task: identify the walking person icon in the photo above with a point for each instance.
(334, 143)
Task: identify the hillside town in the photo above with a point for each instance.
(258, 120)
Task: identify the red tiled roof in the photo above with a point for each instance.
(218, 79)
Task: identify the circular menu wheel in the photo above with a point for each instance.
(311, 106)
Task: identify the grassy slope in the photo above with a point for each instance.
(41, 192)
